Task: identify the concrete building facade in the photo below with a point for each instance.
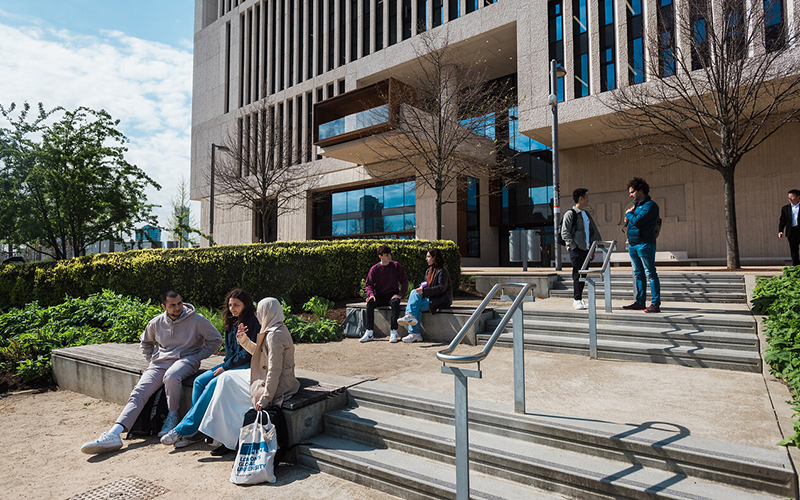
(294, 54)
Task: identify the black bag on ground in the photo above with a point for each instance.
(353, 324)
(279, 421)
(152, 416)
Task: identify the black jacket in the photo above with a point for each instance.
(440, 291)
(785, 222)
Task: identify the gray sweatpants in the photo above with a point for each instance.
(170, 374)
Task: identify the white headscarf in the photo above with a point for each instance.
(269, 314)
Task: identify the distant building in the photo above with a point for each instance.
(148, 234)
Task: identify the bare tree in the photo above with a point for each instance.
(729, 86)
(182, 224)
(263, 171)
(446, 127)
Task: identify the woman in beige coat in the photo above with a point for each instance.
(272, 379)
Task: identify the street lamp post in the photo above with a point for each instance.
(556, 72)
(211, 197)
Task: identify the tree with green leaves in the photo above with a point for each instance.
(182, 224)
(70, 183)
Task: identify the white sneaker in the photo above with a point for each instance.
(186, 441)
(106, 442)
(585, 305)
(169, 423)
(579, 304)
(171, 437)
(408, 320)
(393, 337)
(366, 337)
(412, 337)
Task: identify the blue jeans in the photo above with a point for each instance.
(643, 260)
(416, 304)
(204, 386)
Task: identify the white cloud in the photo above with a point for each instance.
(146, 85)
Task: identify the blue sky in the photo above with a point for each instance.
(132, 58)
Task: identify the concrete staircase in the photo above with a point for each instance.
(688, 338)
(675, 287)
(401, 441)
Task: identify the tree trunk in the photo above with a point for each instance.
(731, 234)
(438, 214)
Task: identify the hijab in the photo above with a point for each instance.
(269, 314)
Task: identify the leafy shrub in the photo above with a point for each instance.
(318, 306)
(298, 270)
(779, 299)
(29, 334)
(322, 330)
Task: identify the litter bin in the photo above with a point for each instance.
(524, 246)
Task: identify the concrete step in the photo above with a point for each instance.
(401, 436)
(696, 337)
(641, 351)
(732, 321)
(626, 295)
(683, 287)
(404, 475)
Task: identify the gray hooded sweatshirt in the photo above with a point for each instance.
(190, 336)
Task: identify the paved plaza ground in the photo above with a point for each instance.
(41, 433)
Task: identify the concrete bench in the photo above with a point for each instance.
(440, 327)
(110, 371)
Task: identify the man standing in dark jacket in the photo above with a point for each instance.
(578, 231)
(641, 220)
(788, 225)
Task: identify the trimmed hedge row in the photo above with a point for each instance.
(297, 270)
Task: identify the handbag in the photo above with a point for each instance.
(255, 459)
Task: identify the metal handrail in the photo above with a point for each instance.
(445, 356)
(461, 375)
(606, 272)
(612, 245)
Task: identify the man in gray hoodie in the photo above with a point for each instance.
(174, 343)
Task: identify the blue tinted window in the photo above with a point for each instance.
(393, 196)
(339, 228)
(339, 203)
(410, 194)
(354, 200)
(410, 222)
(394, 223)
(373, 196)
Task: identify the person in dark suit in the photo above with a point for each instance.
(787, 225)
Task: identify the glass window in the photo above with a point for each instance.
(410, 191)
(666, 52)
(580, 35)
(774, 32)
(393, 196)
(607, 46)
(556, 40)
(375, 211)
(635, 41)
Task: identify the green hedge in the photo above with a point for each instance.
(297, 270)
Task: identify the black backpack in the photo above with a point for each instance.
(559, 239)
(152, 416)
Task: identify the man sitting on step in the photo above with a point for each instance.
(174, 343)
(383, 290)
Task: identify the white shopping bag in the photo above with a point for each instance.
(255, 458)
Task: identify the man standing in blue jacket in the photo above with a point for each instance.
(641, 220)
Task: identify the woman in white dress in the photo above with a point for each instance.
(269, 381)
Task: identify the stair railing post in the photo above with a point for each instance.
(461, 410)
(607, 281)
(519, 361)
(592, 319)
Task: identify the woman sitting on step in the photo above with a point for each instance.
(433, 294)
(271, 379)
(237, 310)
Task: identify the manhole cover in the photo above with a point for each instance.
(129, 488)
